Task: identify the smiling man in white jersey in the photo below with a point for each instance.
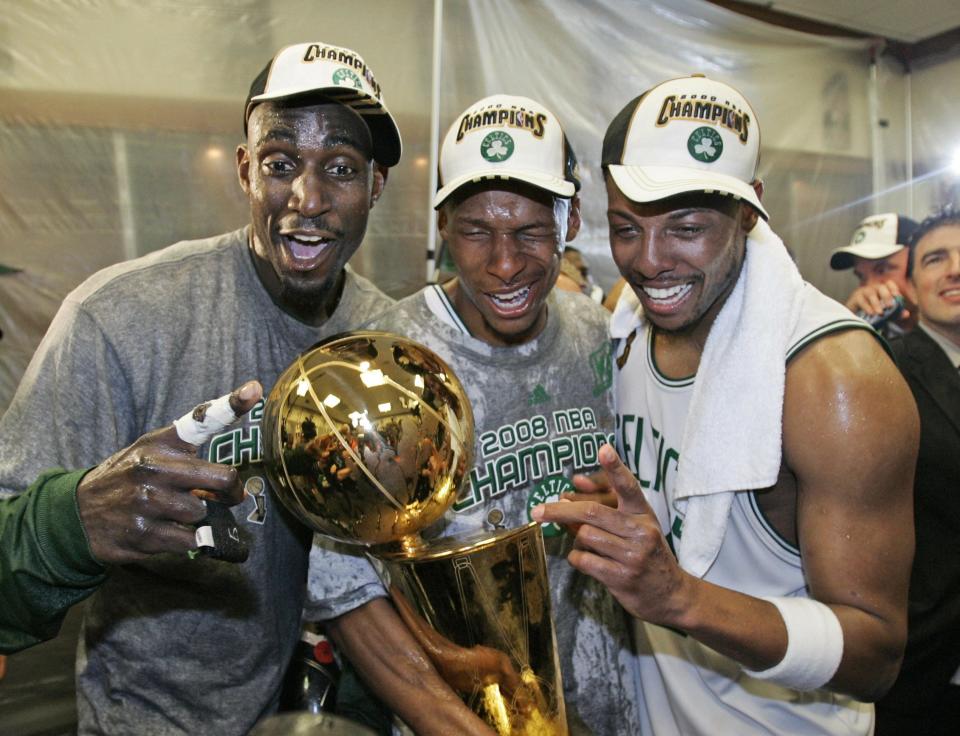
(764, 531)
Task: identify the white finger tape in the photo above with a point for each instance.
(205, 421)
(204, 537)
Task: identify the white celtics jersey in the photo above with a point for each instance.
(689, 689)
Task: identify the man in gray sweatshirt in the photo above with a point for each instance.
(172, 643)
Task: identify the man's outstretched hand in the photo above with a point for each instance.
(146, 498)
(623, 547)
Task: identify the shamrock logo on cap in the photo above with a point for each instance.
(705, 144)
(346, 78)
(496, 146)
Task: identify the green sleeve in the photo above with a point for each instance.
(45, 561)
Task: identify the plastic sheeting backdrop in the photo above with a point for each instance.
(120, 119)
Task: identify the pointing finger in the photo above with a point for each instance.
(623, 482)
(212, 417)
(593, 483)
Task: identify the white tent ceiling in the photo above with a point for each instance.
(896, 19)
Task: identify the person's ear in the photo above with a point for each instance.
(750, 214)
(380, 173)
(243, 167)
(748, 217)
(573, 218)
(442, 222)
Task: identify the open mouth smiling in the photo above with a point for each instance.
(306, 249)
(667, 296)
(511, 302)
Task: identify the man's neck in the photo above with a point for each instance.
(677, 353)
(317, 315)
(948, 336)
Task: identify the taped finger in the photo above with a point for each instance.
(206, 421)
(219, 536)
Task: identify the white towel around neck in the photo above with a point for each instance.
(732, 439)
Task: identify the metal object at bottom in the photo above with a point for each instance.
(308, 724)
(480, 606)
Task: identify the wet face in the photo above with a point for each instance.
(682, 255)
(507, 245)
(309, 176)
(935, 282)
(880, 270)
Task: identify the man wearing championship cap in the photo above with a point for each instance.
(877, 253)
(180, 644)
(763, 535)
(535, 364)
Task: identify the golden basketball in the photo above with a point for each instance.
(367, 437)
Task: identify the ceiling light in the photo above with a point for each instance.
(955, 162)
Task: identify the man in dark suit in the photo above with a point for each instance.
(926, 697)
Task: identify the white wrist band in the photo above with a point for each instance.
(205, 421)
(814, 645)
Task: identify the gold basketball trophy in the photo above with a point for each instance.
(367, 439)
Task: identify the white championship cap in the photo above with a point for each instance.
(505, 137)
(334, 72)
(877, 236)
(685, 135)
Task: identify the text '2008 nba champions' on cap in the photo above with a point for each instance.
(507, 137)
(877, 236)
(335, 73)
(685, 135)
